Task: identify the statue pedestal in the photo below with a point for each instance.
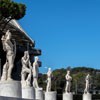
(87, 96)
(28, 93)
(50, 95)
(67, 96)
(10, 89)
(39, 94)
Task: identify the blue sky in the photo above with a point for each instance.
(67, 31)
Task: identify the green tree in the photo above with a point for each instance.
(11, 10)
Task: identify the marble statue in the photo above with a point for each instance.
(68, 82)
(10, 48)
(26, 69)
(49, 76)
(87, 85)
(35, 72)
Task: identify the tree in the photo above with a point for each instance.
(11, 10)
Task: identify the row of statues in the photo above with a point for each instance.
(68, 82)
(9, 46)
(28, 71)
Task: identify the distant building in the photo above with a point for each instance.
(23, 42)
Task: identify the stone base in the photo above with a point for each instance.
(50, 95)
(39, 94)
(13, 98)
(28, 93)
(67, 96)
(10, 89)
(87, 96)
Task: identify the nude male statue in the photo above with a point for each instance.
(10, 49)
(68, 82)
(26, 69)
(49, 76)
(35, 72)
(87, 85)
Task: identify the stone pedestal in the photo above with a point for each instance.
(39, 94)
(50, 95)
(87, 96)
(10, 89)
(67, 96)
(28, 93)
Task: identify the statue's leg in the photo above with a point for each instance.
(29, 74)
(66, 88)
(88, 88)
(4, 73)
(49, 85)
(35, 83)
(23, 75)
(28, 80)
(11, 65)
(85, 90)
(47, 88)
(69, 87)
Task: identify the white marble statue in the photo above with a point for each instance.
(35, 72)
(49, 76)
(10, 48)
(68, 82)
(26, 70)
(87, 85)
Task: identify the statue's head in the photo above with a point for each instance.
(68, 72)
(26, 53)
(88, 74)
(36, 58)
(49, 69)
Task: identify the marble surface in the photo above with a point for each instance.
(51, 95)
(10, 89)
(28, 93)
(87, 96)
(67, 96)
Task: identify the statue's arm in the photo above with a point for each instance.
(23, 60)
(30, 65)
